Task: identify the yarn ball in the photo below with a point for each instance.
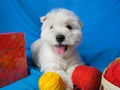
(112, 73)
(51, 81)
(86, 78)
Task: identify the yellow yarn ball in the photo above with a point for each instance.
(51, 81)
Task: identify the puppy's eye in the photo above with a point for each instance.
(51, 27)
(69, 27)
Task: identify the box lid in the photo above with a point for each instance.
(11, 40)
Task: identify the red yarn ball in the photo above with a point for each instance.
(112, 73)
(86, 78)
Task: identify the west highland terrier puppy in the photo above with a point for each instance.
(54, 51)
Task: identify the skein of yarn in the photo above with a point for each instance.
(86, 78)
(51, 81)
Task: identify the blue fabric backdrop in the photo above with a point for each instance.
(101, 31)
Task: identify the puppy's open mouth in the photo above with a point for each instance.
(61, 49)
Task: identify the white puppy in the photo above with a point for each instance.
(54, 51)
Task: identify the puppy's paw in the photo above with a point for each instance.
(69, 85)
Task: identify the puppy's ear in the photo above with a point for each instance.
(43, 18)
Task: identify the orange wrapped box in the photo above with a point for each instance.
(13, 63)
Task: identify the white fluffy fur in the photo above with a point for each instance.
(44, 54)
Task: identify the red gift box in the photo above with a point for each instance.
(13, 63)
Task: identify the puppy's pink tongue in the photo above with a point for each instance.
(60, 49)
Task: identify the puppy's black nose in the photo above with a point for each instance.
(60, 38)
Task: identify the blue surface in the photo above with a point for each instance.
(101, 31)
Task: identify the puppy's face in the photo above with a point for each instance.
(61, 30)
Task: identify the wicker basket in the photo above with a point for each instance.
(106, 85)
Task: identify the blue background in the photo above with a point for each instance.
(101, 32)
